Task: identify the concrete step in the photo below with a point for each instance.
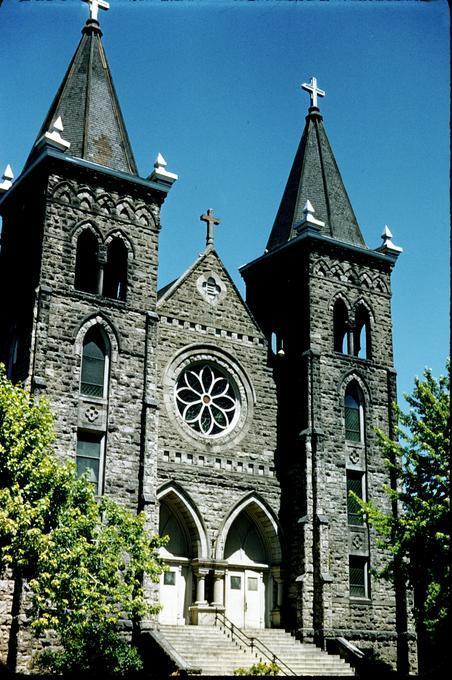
(211, 649)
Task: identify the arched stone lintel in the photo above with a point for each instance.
(108, 328)
(191, 513)
(347, 378)
(266, 521)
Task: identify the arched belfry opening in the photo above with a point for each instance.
(362, 340)
(86, 264)
(341, 330)
(115, 277)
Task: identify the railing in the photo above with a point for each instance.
(252, 642)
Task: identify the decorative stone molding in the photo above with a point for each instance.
(92, 415)
(238, 379)
(211, 288)
(358, 543)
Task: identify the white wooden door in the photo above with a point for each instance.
(235, 597)
(172, 596)
(245, 598)
(254, 599)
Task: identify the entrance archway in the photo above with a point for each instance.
(187, 540)
(253, 554)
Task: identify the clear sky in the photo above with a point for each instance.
(215, 87)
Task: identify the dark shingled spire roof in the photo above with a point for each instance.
(89, 107)
(315, 177)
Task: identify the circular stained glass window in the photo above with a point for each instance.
(207, 400)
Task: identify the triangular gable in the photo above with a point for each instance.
(206, 294)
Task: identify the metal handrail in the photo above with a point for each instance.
(252, 642)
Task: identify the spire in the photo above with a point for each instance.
(87, 103)
(315, 178)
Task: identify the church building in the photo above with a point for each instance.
(239, 427)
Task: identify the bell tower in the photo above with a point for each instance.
(79, 269)
(323, 299)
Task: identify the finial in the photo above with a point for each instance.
(211, 221)
(160, 174)
(7, 179)
(313, 90)
(388, 247)
(53, 136)
(308, 218)
(95, 6)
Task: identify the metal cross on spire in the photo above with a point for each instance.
(313, 90)
(211, 221)
(95, 6)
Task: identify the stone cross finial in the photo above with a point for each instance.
(211, 221)
(313, 90)
(95, 6)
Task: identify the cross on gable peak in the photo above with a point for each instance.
(313, 90)
(95, 6)
(211, 221)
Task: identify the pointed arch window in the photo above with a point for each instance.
(95, 363)
(86, 263)
(341, 328)
(354, 413)
(115, 277)
(362, 333)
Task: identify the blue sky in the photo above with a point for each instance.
(215, 87)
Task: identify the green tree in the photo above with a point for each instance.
(417, 535)
(84, 559)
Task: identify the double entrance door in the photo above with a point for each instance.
(245, 598)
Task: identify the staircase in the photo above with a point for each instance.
(210, 650)
(301, 657)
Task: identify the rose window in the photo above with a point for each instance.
(207, 400)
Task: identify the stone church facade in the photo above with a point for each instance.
(238, 427)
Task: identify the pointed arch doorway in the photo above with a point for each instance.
(187, 541)
(252, 579)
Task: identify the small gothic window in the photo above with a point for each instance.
(274, 342)
(355, 482)
(86, 266)
(362, 333)
(89, 457)
(359, 576)
(341, 328)
(115, 277)
(354, 413)
(94, 364)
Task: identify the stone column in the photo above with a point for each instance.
(201, 586)
(102, 261)
(218, 589)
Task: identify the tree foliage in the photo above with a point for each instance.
(417, 535)
(84, 558)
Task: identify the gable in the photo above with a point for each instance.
(206, 295)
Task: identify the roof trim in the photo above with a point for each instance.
(310, 234)
(50, 152)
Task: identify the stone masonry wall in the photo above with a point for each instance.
(216, 473)
(357, 282)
